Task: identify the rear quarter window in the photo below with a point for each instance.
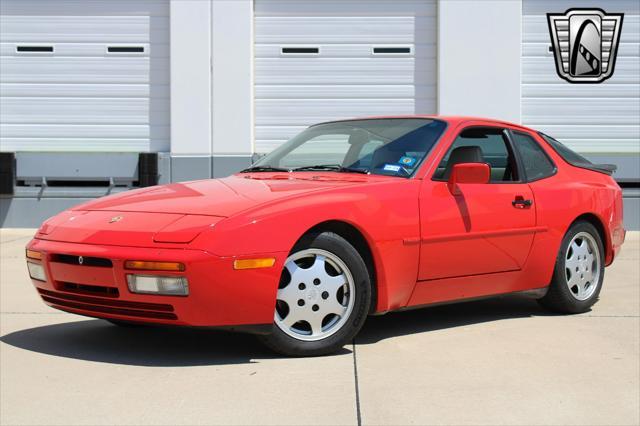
(535, 161)
(567, 154)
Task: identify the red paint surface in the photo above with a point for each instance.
(428, 245)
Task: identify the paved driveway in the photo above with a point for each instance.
(501, 361)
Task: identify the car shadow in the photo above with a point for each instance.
(99, 341)
(442, 317)
(149, 346)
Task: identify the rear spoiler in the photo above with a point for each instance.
(608, 169)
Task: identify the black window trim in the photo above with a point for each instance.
(511, 132)
(509, 145)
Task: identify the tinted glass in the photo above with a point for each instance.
(536, 163)
(567, 154)
(495, 152)
(394, 147)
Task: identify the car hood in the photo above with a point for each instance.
(177, 213)
(221, 197)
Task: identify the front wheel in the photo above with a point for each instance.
(323, 297)
(579, 271)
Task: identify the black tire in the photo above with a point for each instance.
(559, 297)
(285, 344)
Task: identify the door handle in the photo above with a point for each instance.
(521, 203)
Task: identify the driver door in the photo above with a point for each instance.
(486, 228)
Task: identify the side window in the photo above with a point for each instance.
(536, 163)
(491, 147)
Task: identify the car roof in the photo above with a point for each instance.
(451, 119)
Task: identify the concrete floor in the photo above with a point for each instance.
(501, 361)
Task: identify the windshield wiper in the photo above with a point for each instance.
(264, 169)
(330, 167)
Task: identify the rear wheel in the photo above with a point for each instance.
(579, 271)
(323, 297)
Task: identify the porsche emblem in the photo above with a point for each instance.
(585, 44)
(115, 219)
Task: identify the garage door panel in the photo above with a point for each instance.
(574, 109)
(291, 112)
(336, 71)
(77, 110)
(96, 144)
(159, 51)
(335, 30)
(600, 145)
(563, 90)
(345, 78)
(589, 131)
(364, 50)
(69, 28)
(159, 93)
(342, 7)
(537, 70)
(85, 7)
(81, 96)
(85, 131)
(366, 91)
(603, 118)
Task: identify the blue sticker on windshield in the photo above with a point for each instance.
(391, 168)
(407, 161)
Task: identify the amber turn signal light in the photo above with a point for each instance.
(143, 265)
(254, 263)
(32, 254)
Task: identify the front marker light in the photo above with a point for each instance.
(32, 254)
(254, 263)
(36, 271)
(152, 284)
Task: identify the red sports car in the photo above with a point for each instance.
(348, 219)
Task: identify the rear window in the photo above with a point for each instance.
(567, 154)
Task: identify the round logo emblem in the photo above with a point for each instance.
(80, 260)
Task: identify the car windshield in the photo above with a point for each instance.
(392, 147)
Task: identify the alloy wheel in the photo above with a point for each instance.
(315, 296)
(582, 266)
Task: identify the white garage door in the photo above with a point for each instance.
(591, 118)
(84, 75)
(327, 59)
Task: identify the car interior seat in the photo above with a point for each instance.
(463, 154)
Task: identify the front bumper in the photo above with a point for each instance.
(218, 294)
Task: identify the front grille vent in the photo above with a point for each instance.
(95, 290)
(82, 260)
(99, 305)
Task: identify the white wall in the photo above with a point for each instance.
(190, 77)
(232, 53)
(479, 45)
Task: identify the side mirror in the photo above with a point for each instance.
(468, 173)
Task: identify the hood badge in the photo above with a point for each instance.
(115, 219)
